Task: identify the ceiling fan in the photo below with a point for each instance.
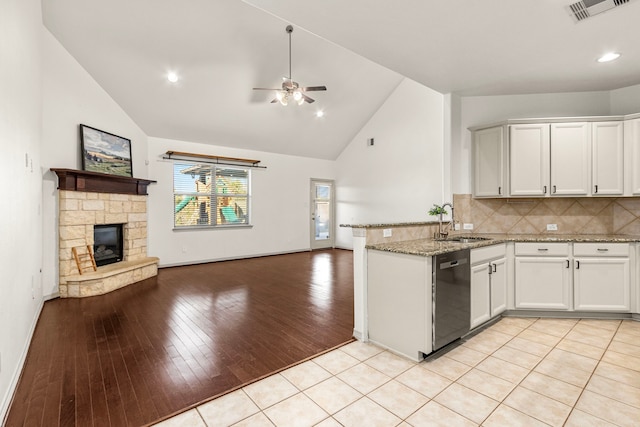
(291, 90)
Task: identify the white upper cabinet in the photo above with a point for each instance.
(489, 162)
(632, 149)
(529, 159)
(608, 158)
(570, 159)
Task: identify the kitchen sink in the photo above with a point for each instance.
(467, 239)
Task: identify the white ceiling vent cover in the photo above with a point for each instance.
(586, 8)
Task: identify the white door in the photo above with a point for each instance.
(570, 159)
(542, 283)
(601, 284)
(608, 158)
(529, 159)
(322, 227)
(488, 162)
(480, 299)
(498, 286)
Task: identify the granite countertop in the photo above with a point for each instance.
(429, 247)
(395, 224)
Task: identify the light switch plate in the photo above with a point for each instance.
(466, 226)
(456, 227)
(552, 227)
(387, 232)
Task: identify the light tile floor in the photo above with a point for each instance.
(517, 372)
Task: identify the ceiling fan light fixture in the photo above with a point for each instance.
(283, 97)
(297, 95)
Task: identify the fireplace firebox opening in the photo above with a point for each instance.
(107, 246)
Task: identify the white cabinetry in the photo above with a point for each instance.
(601, 277)
(632, 150)
(529, 159)
(489, 162)
(399, 302)
(570, 159)
(608, 158)
(542, 276)
(488, 283)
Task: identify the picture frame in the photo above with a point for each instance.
(104, 152)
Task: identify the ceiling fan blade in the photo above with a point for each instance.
(307, 99)
(313, 88)
(274, 100)
(263, 88)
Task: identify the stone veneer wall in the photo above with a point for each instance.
(574, 215)
(80, 211)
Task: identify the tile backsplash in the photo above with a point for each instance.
(578, 215)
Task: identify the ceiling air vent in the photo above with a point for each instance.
(587, 8)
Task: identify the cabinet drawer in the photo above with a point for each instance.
(601, 249)
(488, 253)
(542, 249)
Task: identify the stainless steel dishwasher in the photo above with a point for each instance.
(451, 297)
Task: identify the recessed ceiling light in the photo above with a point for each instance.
(319, 113)
(172, 77)
(607, 57)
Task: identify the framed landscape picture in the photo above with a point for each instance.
(105, 152)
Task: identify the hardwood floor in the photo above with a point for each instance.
(144, 352)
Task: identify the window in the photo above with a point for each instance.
(198, 203)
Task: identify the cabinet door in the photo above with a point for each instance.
(601, 284)
(632, 143)
(529, 159)
(542, 283)
(608, 158)
(570, 159)
(488, 162)
(498, 286)
(480, 299)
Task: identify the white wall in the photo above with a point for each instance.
(71, 97)
(478, 110)
(280, 207)
(625, 100)
(20, 162)
(401, 176)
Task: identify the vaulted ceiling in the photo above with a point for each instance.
(359, 49)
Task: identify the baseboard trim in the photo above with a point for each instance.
(206, 261)
(570, 314)
(8, 398)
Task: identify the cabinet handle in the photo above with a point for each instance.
(544, 190)
(596, 188)
(577, 265)
(543, 249)
(603, 250)
(490, 269)
(567, 263)
(495, 268)
(554, 189)
(500, 191)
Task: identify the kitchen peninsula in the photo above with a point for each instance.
(554, 275)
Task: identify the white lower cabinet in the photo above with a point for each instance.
(488, 283)
(601, 277)
(543, 278)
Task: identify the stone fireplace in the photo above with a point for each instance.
(87, 200)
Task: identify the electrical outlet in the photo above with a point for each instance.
(387, 232)
(466, 226)
(184, 249)
(552, 227)
(456, 227)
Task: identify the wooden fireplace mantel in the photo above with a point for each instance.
(94, 182)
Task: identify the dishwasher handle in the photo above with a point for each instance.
(453, 263)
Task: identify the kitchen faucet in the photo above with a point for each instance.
(443, 234)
